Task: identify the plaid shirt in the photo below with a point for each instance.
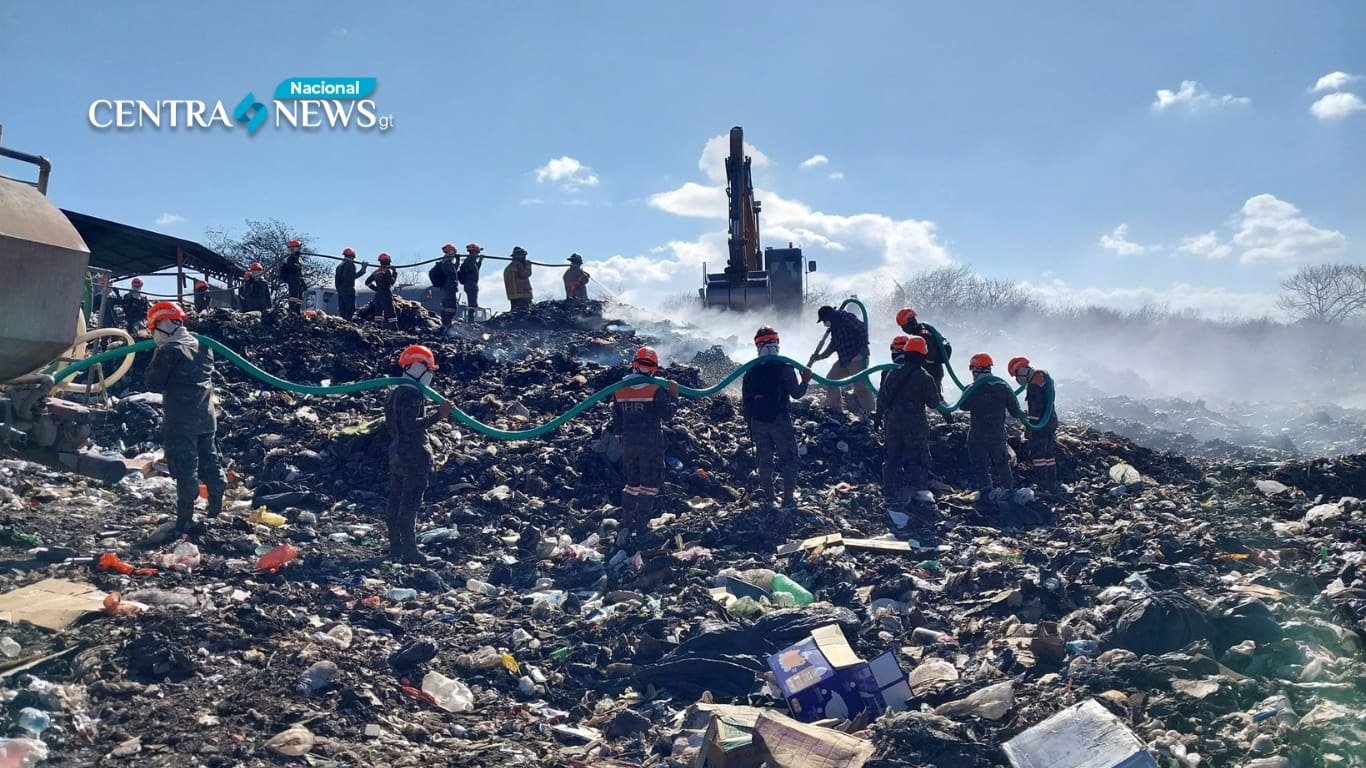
(848, 336)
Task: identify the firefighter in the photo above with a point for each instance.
(181, 370)
(638, 412)
(765, 392)
(381, 281)
(575, 279)
(344, 280)
(517, 280)
(201, 296)
(254, 293)
(406, 419)
(1041, 434)
(902, 399)
(292, 275)
(940, 350)
(448, 283)
(849, 342)
(989, 399)
(134, 307)
(469, 276)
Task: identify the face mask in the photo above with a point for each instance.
(825, 323)
(978, 373)
(163, 331)
(767, 349)
(899, 358)
(1023, 375)
(419, 373)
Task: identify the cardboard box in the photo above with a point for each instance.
(1084, 735)
(822, 677)
(729, 740)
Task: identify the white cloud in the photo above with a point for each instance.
(1336, 106)
(713, 160)
(1118, 241)
(813, 161)
(169, 219)
(1206, 246)
(1274, 231)
(569, 173)
(1193, 96)
(1334, 81)
(341, 32)
(1209, 302)
(531, 201)
(836, 176)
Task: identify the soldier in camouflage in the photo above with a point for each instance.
(407, 420)
(638, 411)
(906, 393)
(181, 370)
(989, 399)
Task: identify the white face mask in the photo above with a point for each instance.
(164, 330)
(765, 350)
(1023, 375)
(419, 372)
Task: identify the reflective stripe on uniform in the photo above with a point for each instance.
(1045, 462)
(649, 491)
(637, 392)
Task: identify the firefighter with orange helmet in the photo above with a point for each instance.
(639, 410)
(254, 293)
(988, 401)
(134, 306)
(181, 370)
(938, 349)
(381, 281)
(292, 275)
(1041, 436)
(902, 399)
(410, 463)
(201, 295)
(765, 393)
(344, 281)
(447, 272)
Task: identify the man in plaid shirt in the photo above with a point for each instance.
(849, 343)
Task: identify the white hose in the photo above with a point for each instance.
(77, 352)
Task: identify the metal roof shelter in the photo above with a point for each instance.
(127, 251)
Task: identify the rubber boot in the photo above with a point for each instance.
(789, 492)
(407, 551)
(394, 543)
(630, 503)
(1048, 479)
(215, 507)
(644, 511)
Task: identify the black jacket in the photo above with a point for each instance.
(255, 295)
(989, 403)
(345, 278)
(640, 409)
(905, 393)
(1037, 397)
(766, 390)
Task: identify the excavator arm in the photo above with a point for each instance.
(744, 211)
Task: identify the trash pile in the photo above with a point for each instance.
(1165, 610)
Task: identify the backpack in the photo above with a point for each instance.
(437, 275)
(766, 398)
(469, 272)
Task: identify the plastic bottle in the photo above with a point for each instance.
(1083, 647)
(263, 516)
(34, 720)
(781, 583)
(9, 647)
(21, 753)
(316, 678)
(449, 694)
(526, 685)
(401, 593)
(278, 557)
(482, 659)
(184, 557)
(481, 587)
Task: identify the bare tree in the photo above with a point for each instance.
(267, 242)
(1325, 293)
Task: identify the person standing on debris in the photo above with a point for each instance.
(765, 392)
(201, 296)
(134, 307)
(181, 370)
(1041, 434)
(638, 413)
(989, 399)
(381, 281)
(469, 276)
(517, 280)
(406, 418)
(904, 395)
(849, 342)
(292, 275)
(449, 284)
(344, 280)
(254, 293)
(576, 279)
(939, 348)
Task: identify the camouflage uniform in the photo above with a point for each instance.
(637, 414)
(934, 342)
(201, 300)
(407, 420)
(989, 403)
(905, 393)
(134, 311)
(344, 280)
(450, 298)
(1042, 443)
(469, 280)
(255, 295)
(381, 281)
(765, 393)
(181, 371)
(292, 275)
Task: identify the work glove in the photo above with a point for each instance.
(806, 375)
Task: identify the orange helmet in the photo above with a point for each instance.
(384, 258)
(256, 267)
(905, 316)
(164, 310)
(766, 334)
(646, 359)
(295, 244)
(910, 344)
(473, 248)
(1016, 363)
(980, 360)
(137, 282)
(348, 252)
(448, 248)
(200, 285)
(416, 353)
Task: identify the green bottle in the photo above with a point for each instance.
(781, 583)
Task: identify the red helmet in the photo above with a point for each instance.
(348, 252)
(256, 267)
(416, 353)
(766, 334)
(905, 316)
(246, 275)
(1016, 363)
(910, 344)
(448, 248)
(200, 285)
(646, 359)
(164, 310)
(473, 248)
(384, 258)
(295, 244)
(137, 282)
(980, 360)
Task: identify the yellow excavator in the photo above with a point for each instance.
(44, 289)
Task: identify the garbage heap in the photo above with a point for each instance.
(1164, 610)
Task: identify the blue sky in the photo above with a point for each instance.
(1015, 138)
